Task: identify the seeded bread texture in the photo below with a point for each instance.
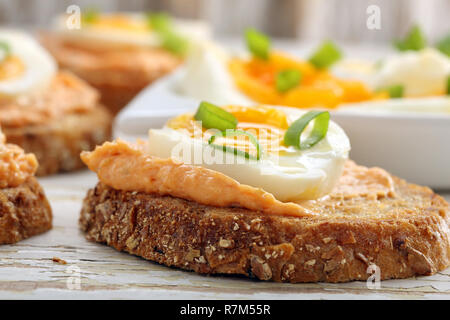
(404, 236)
(24, 212)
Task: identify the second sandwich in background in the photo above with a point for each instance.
(50, 113)
(121, 53)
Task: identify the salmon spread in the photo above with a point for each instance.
(15, 165)
(129, 167)
(65, 94)
(357, 181)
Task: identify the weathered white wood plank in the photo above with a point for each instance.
(27, 269)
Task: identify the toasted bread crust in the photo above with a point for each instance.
(117, 74)
(409, 235)
(57, 144)
(24, 212)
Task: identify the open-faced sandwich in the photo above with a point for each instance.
(262, 192)
(54, 115)
(24, 209)
(121, 53)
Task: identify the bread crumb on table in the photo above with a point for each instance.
(59, 260)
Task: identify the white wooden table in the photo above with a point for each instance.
(27, 270)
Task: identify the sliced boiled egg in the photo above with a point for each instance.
(207, 77)
(288, 173)
(212, 74)
(24, 65)
(111, 30)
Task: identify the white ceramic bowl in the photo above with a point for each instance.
(152, 107)
(413, 146)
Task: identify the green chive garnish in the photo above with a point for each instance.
(170, 40)
(415, 40)
(395, 91)
(4, 46)
(327, 54)
(90, 15)
(287, 79)
(159, 21)
(292, 137)
(214, 117)
(258, 43)
(174, 42)
(448, 85)
(233, 133)
(444, 45)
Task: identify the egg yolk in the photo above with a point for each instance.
(11, 67)
(318, 88)
(120, 22)
(267, 124)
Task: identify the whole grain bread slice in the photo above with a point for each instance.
(403, 236)
(57, 144)
(24, 212)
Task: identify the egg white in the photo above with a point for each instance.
(206, 76)
(421, 73)
(300, 175)
(355, 69)
(40, 67)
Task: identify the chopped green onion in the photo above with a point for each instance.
(233, 133)
(174, 42)
(292, 137)
(258, 43)
(170, 40)
(327, 54)
(448, 85)
(4, 46)
(395, 91)
(159, 21)
(287, 80)
(214, 117)
(415, 40)
(444, 45)
(90, 15)
(234, 151)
